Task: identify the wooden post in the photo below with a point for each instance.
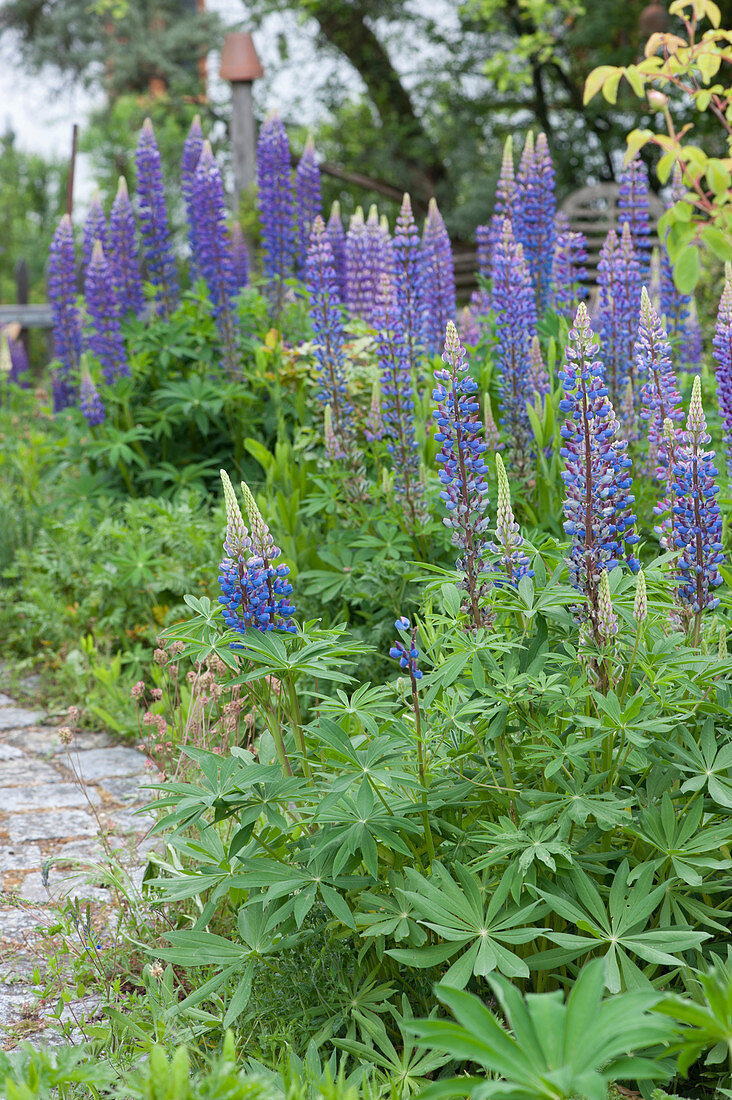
(72, 166)
(241, 67)
(21, 297)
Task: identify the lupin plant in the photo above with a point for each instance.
(406, 277)
(524, 176)
(634, 211)
(275, 201)
(515, 310)
(65, 312)
(337, 241)
(397, 405)
(722, 345)
(463, 474)
(123, 255)
(358, 285)
(214, 256)
(90, 401)
(154, 226)
(374, 426)
(618, 280)
(437, 280)
(607, 620)
(105, 337)
(95, 229)
(378, 261)
(308, 200)
(469, 326)
(698, 519)
(504, 205)
(597, 508)
(328, 336)
(535, 227)
(568, 267)
(335, 450)
(271, 589)
(239, 256)
(659, 394)
(537, 379)
(192, 148)
(512, 562)
(237, 565)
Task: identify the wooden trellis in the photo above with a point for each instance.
(594, 211)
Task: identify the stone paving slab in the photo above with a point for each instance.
(19, 857)
(13, 773)
(14, 718)
(97, 765)
(50, 825)
(42, 795)
(10, 752)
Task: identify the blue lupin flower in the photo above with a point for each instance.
(270, 589)
(326, 319)
(378, 263)
(154, 227)
(722, 345)
(504, 206)
(95, 229)
(397, 403)
(275, 200)
(237, 565)
(360, 290)
(105, 337)
(90, 401)
(698, 516)
(634, 211)
(240, 256)
(337, 242)
(66, 318)
(308, 199)
(512, 562)
(514, 307)
(568, 268)
(535, 225)
(436, 280)
(619, 282)
(406, 655)
(123, 255)
(214, 258)
(660, 397)
(597, 507)
(462, 472)
(192, 148)
(406, 278)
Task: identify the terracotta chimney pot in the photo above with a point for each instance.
(239, 61)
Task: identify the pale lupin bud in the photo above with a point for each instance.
(640, 606)
(607, 622)
(722, 647)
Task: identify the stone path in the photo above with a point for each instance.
(50, 840)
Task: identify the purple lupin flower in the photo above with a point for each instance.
(90, 401)
(406, 277)
(514, 307)
(239, 256)
(722, 345)
(66, 319)
(18, 359)
(597, 507)
(105, 337)
(379, 263)
(437, 280)
(357, 283)
(462, 472)
(505, 202)
(123, 255)
(275, 201)
(214, 258)
(374, 426)
(95, 229)
(568, 268)
(535, 229)
(698, 516)
(512, 562)
(406, 655)
(634, 211)
(483, 249)
(469, 326)
(397, 405)
(154, 226)
(337, 241)
(537, 379)
(308, 199)
(521, 207)
(192, 148)
(270, 590)
(660, 397)
(335, 450)
(328, 336)
(237, 565)
(618, 278)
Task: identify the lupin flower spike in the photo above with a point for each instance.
(634, 211)
(275, 200)
(462, 471)
(358, 287)
(328, 335)
(640, 603)
(660, 397)
(697, 514)
(66, 319)
(214, 257)
(105, 338)
(722, 644)
(374, 427)
(618, 279)
(537, 379)
(378, 262)
(192, 148)
(504, 206)
(237, 566)
(308, 199)
(398, 403)
(90, 402)
(437, 280)
(535, 228)
(95, 229)
(123, 255)
(722, 345)
(337, 241)
(568, 267)
(334, 448)
(607, 621)
(597, 507)
(523, 185)
(406, 655)
(407, 270)
(237, 539)
(154, 227)
(513, 562)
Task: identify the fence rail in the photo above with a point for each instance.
(27, 316)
